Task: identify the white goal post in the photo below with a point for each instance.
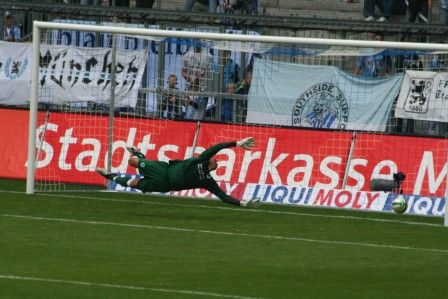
(207, 37)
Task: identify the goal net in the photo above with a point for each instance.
(338, 123)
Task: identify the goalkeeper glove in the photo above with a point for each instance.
(246, 143)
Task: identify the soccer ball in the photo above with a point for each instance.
(399, 205)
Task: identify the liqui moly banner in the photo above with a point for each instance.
(15, 73)
(345, 199)
(315, 197)
(424, 96)
(299, 95)
(70, 74)
(75, 144)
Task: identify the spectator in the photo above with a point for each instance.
(444, 12)
(408, 61)
(11, 32)
(196, 68)
(225, 6)
(144, 3)
(212, 4)
(195, 105)
(417, 9)
(171, 104)
(385, 7)
(121, 3)
(251, 7)
(243, 88)
(191, 107)
(126, 3)
(227, 104)
(231, 69)
(374, 65)
(436, 64)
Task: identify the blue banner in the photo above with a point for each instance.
(319, 97)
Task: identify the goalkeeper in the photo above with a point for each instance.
(177, 175)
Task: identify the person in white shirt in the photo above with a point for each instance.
(196, 68)
(11, 32)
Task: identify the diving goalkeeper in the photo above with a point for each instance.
(192, 173)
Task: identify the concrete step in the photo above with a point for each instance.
(314, 13)
(327, 5)
(325, 9)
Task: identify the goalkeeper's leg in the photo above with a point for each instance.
(126, 181)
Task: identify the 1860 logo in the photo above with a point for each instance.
(418, 95)
(15, 69)
(321, 106)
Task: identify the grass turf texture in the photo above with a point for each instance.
(116, 245)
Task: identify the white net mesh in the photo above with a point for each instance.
(324, 117)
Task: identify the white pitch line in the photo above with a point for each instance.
(233, 209)
(118, 286)
(224, 233)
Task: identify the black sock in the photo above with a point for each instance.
(111, 176)
(123, 181)
(231, 200)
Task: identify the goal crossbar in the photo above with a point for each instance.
(241, 37)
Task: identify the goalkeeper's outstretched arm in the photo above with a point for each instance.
(249, 202)
(246, 143)
(214, 189)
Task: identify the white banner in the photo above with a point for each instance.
(317, 96)
(423, 96)
(70, 74)
(15, 73)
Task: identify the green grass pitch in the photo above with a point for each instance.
(113, 245)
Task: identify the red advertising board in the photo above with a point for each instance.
(75, 144)
(13, 143)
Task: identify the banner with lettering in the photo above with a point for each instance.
(424, 96)
(313, 197)
(70, 74)
(283, 156)
(319, 97)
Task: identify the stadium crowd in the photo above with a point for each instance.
(200, 70)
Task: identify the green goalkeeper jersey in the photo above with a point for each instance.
(182, 174)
